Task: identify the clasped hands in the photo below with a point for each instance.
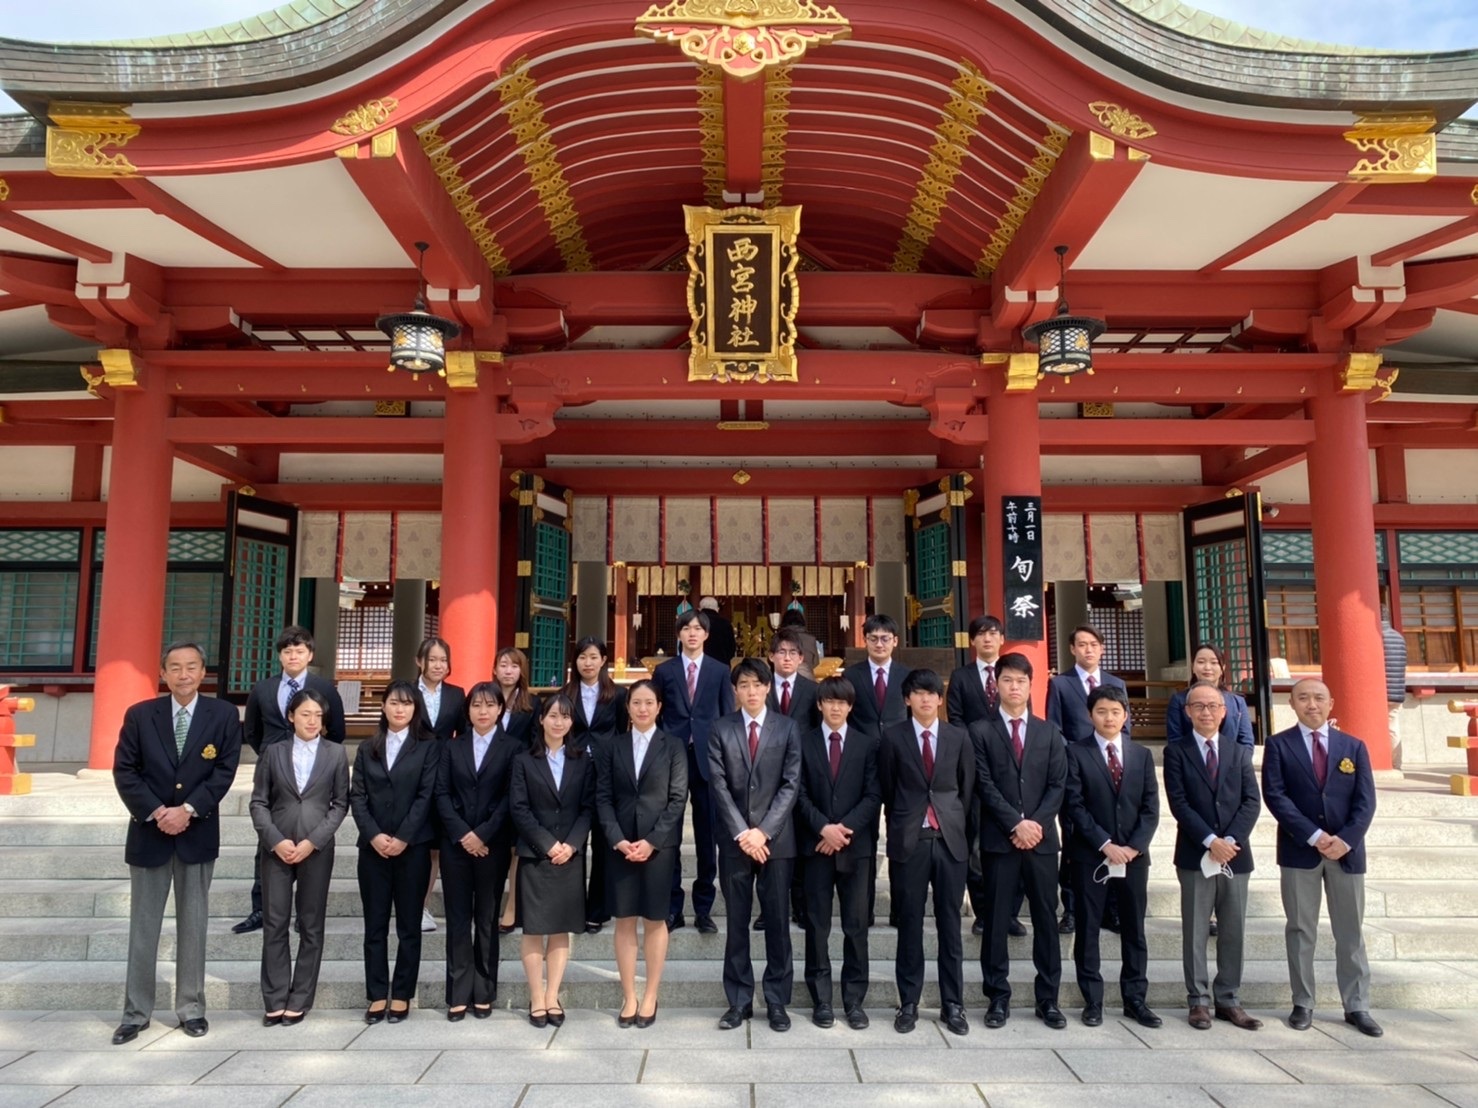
(755, 843)
(1332, 846)
(1223, 851)
(292, 853)
(387, 846)
(560, 853)
(1026, 835)
(171, 820)
(473, 845)
(1119, 855)
(638, 851)
(834, 838)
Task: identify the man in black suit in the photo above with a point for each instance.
(175, 762)
(1021, 778)
(926, 768)
(879, 685)
(1317, 782)
(1212, 790)
(754, 771)
(1114, 803)
(266, 723)
(1067, 707)
(794, 695)
(695, 691)
(720, 644)
(838, 806)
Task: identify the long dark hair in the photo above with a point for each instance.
(424, 651)
(420, 728)
(1224, 680)
(536, 735)
(603, 677)
(521, 699)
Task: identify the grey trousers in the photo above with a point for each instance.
(289, 986)
(1200, 896)
(149, 888)
(1301, 895)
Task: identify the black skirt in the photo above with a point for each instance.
(640, 888)
(551, 898)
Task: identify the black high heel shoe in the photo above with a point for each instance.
(623, 1020)
(539, 1018)
(399, 1015)
(290, 1020)
(556, 1017)
(269, 1020)
(373, 1016)
(481, 1013)
(647, 1021)
(456, 1015)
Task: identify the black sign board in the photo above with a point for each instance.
(1021, 568)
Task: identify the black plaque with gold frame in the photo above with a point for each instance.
(742, 293)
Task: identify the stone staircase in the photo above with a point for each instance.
(64, 918)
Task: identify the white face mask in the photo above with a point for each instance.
(1210, 867)
(1107, 871)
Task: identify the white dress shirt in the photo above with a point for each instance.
(480, 744)
(918, 731)
(305, 753)
(556, 765)
(640, 741)
(432, 699)
(1203, 744)
(589, 695)
(394, 740)
(285, 694)
(1083, 676)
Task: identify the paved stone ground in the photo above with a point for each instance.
(65, 1059)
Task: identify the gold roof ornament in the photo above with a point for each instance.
(743, 37)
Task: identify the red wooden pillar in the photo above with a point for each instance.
(131, 608)
(1013, 467)
(1346, 581)
(471, 499)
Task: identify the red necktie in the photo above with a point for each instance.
(1116, 770)
(754, 739)
(929, 776)
(1321, 759)
(1017, 747)
(990, 687)
(692, 681)
(834, 753)
(785, 699)
(1092, 682)
(880, 687)
(1211, 762)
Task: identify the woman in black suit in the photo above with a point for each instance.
(446, 711)
(476, 842)
(391, 795)
(600, 714)
(551, 799)
(511, 672)
(641, 791)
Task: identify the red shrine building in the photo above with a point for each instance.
(764, 300)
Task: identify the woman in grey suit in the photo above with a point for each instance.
(641, 790)
(299, 796)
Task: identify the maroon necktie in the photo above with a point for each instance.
(785, 699)
(834, 753)
(692, 681)
(1092, 682)
(754, 739)
(1017, 747)
(929, 776)
(990, 687)
(1116, 770)
(880, 687)
(1211, 766)
(1321, 759)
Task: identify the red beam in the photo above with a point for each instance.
(1424, 438)
(157, 200)
(78, 513)
(1247, 471)
(85, 406)
(744, 125)
(386, 496)
(1127, 498)
(1390, 515)
(212, 459)
(52, 238)
(1419, 411)
(335, 430)
(55, 434)
(1316, 210)
(1442, 236)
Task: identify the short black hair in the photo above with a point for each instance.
(309, 694)
(181, 644)
(1108, 692)
(793, 617)
(427, 645)
(293, 636)
(1085, 629)
(787, 636)
(486, 690)
(985, 623)
(922, 680)
(880, 623)
(1016, 662)
(693, 615)
(836, 688)
(752, 667)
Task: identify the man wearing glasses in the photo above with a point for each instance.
(879, 685)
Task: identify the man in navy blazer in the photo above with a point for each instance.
(1316, 780)
(175, 762)
(689, 716)
(875, 712)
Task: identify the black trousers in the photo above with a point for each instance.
(1133, 894)
(929, 864)
(1066, 880)
(822, 879)
(704, 843)
(595, 889)
(472, 889)
(398, 882)
(1005, 873)
(740, 875)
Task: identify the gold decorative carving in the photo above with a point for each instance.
(1473, 194)
(1096, 410)
(4, 190)
(711, 135)
(385, 144)
(915, 610)
(744, 425)
(438, 151)
(962, 640)
(120, 369)
(1100, 147)
(1053, 143)
(1021, 370)
(1387, 384)
(740, 478)
(1400, 147)
(959, 568)
(1121, 121)
(910, 502)
(365, 118)
(519, 92)
(743, 38)
(772, 138)
(391, 408)
(79, 135)
(952, 134)
(1359, 372)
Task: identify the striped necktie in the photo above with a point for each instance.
(181, 729)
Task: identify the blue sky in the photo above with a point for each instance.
(1414, 25)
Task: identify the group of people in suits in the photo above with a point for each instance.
(782, 773)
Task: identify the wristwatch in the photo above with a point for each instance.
(189, 808)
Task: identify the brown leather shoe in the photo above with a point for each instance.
(1237, 1017)
(1200, 1017)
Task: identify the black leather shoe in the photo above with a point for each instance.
(1067, 926)
(455, 1016)
(779, 1017)
(998, 1013)
(556, 1017)
(293, 1021)
(1141, 1012)
(1093, 1015)
(398, 1015)
(857, 1019)
(759, 923)
(643, 1022)
(978, 927)
(1212, 929)
(906, 1019)
(593, 927)
(1051, 1015)
(539, 1017)
(735, 1017)
(481, 1013)
(1015, 928)
(271, 1021)
(252, 922)
(128, 1032)
(375, 1015)
(675, 922)
(197, 1028)
(953, 1018)
(1301, 1018)
(705, 925)
(507, 928)
(823, 1016)
(1362, 1023)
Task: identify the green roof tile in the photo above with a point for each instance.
(282, 20)
(1194, 22)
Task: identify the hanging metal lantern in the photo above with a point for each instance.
(1064, 341)
(417, 338)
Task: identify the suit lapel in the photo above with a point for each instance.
(625, 753)
(164, 726)
(1301, 753)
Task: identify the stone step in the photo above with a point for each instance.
(80, 939)
(98, 986)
